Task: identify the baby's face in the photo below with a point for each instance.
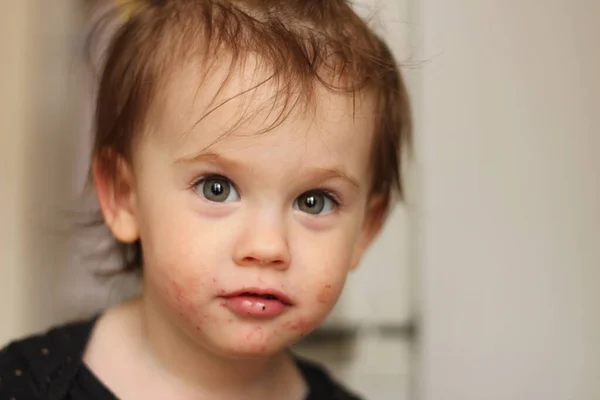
(248, 238)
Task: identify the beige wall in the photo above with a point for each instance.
(509, 241)
(15, 46)
(38, 77)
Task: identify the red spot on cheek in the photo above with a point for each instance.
(177, 292)
(296, 325)
(214, 280)
(230, 320)
(324, 295)
(183, 295)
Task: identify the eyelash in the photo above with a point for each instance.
(202, 178)
(325, 192)
(328, 193)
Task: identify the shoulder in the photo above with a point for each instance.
(321, 384)
(30, 366)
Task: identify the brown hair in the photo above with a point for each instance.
(302, 43)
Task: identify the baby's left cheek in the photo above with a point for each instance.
(327, 294)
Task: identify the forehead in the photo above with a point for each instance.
(239, 110)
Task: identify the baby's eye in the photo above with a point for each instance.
(315, 202)
(216, 188)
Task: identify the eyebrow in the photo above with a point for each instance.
(318, 173)
(208, 157)
(333, 173)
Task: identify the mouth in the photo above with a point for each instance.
(266, 294)
(257, 303)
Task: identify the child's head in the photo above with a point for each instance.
(246, 146)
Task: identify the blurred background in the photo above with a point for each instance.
(484, 285)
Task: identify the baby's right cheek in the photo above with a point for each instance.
(182, 297)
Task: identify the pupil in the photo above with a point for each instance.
(310, 201)
(217, 188)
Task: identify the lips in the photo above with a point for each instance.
(267, 294)
(257, 303)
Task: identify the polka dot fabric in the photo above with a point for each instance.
(43, 366)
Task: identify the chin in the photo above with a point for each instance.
(248, 350)
(245, 343)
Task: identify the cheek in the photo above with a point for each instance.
(175, 278)
(324, 268)
(317, 305)
(321, 273)
(178, 255)
(179, 293)
(326, 295)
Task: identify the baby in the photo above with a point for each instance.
(246, 154)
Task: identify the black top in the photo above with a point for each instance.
(50, 366)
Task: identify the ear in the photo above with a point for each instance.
(116, 197)
(372, 223)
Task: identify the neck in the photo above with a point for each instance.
(197, 369)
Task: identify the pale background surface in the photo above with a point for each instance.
(509, 234)
(503, 227)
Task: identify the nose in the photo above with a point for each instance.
(263, 242)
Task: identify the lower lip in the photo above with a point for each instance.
(254, 306)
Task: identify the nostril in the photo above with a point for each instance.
(262, 261)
